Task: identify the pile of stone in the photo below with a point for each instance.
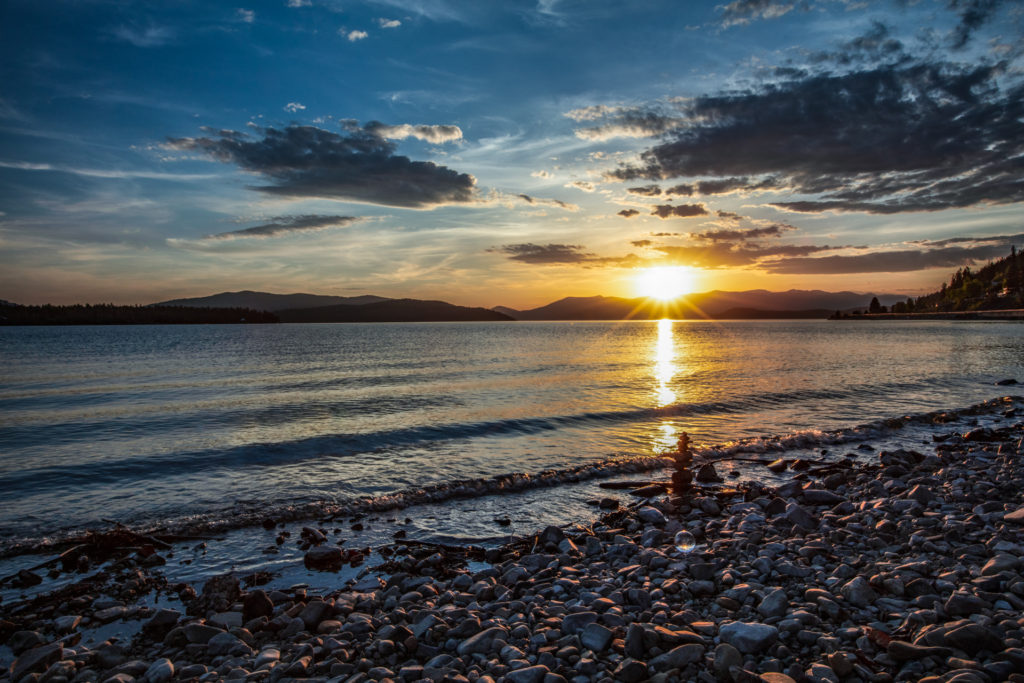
(907, 568)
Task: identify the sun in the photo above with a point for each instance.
(665, 282)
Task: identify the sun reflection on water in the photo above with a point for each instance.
(664, 363)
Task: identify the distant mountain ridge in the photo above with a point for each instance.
(390, 311)
(264, 301)
(752, 304)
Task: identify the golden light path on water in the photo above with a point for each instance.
(664, 371)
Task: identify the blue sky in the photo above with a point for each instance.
(504, 153)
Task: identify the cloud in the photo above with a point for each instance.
(646, 190)
(680, 211)
(972, 13)
(728, 215)
(742, 12)
(287, 225)
(629, 213)
(545, 253)
(684, 189)
(116, 174)
(542, 174)
(245, 15)
(300, 3)
(732, 255)
(641, 243)
(581, 185)
(434, 134)
(621, 122)
(725, 234)
(557, 203)
(294, 107)
(360, 166)
(353, 36)
(887, 261)
(917, 137)
(874, 45)
(151, 36)
(388, 23)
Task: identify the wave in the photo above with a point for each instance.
(252, 514)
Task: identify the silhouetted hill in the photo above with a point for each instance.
(390, 311)
(108, 314)
(753, 304)
(264, 301)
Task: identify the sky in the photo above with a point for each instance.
(510, 153)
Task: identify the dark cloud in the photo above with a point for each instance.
(918, 137)
(641, 243)
(359, 165)
(680, 211)
(732, 255)
(1005, 241)
(629, 213)
(726, 185)
(728, 215)
(684, 189)
(646, 190)
(622, 122)
(972, 13)
(545, 253)
(726, 235)
(548, 202)
(666, 234)
(887, 261)
(741, 12)
(288, 225)
(875, 45)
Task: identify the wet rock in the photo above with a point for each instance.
(324, 558)
(1006, 382)
(800, 517)
(219, 593)
(256, 604)
(529, 674)
(20, 641)
(200, 634)
(748, 638)
(225, 643)
(650, 515)
(707, 474)
(38, 659)
(821, 497)
(631, 671)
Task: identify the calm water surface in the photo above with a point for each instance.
(151, 423)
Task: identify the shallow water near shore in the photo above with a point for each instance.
(159, 425)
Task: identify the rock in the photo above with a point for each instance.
(161, 622)
(160, 671)
(596, 637)
(903, 651)
(922, 494)
(529, 674)
(631, 671)
(962, 604)
(227, 620)
(26, 579)
(38, 659)
(972, 638)
(552, 534)
(1015, 517)
(707, 474)
(481, 642)
(313, 613)
(324, 558)
(858, 591)
(774, 604)
(726, 657)
(67, 623)
(20, 641)
(821, 497)
(225, 643)
(634, 641)
(201, 634)
(109, 656)
(650, 515)
(256, 604)
(219, 593)
(999, 564)
(820, 673)
(576, 622)
(678, 657)
(313, 536)
(1006, 382)
(748, 638)
(800, 517)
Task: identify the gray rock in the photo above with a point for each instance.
(530, 674)
(961, 604)
(596, 637)
(821, 497)
(858, 591)
(325, 558)
(800, 517)
(1015, 517)
(576, 622)
(160, 671)
(37, 659)
(634, 641)
(821, 673)
(650, 515)
(774, 604)
(631, 671)
(678, 657)
(20, 641)
(726, 657)
(313, 613)
(226, 643)
(201, 634)
(481, 642)
(747, 637)
(1000, 563)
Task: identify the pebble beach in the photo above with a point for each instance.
(902, 566)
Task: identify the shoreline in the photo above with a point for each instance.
(901, 568)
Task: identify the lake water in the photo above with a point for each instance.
(152, 425)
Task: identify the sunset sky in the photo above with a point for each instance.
(509, 153)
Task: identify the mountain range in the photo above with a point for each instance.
(750, 305)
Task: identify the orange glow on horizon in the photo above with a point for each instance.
(665, 283)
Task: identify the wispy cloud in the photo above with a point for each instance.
(353, 36)
(106, 173)
(281, 226)
(148, 36)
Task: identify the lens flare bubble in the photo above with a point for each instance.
(685, 542)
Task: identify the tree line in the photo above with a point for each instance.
(996, 285)
(109, 314)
